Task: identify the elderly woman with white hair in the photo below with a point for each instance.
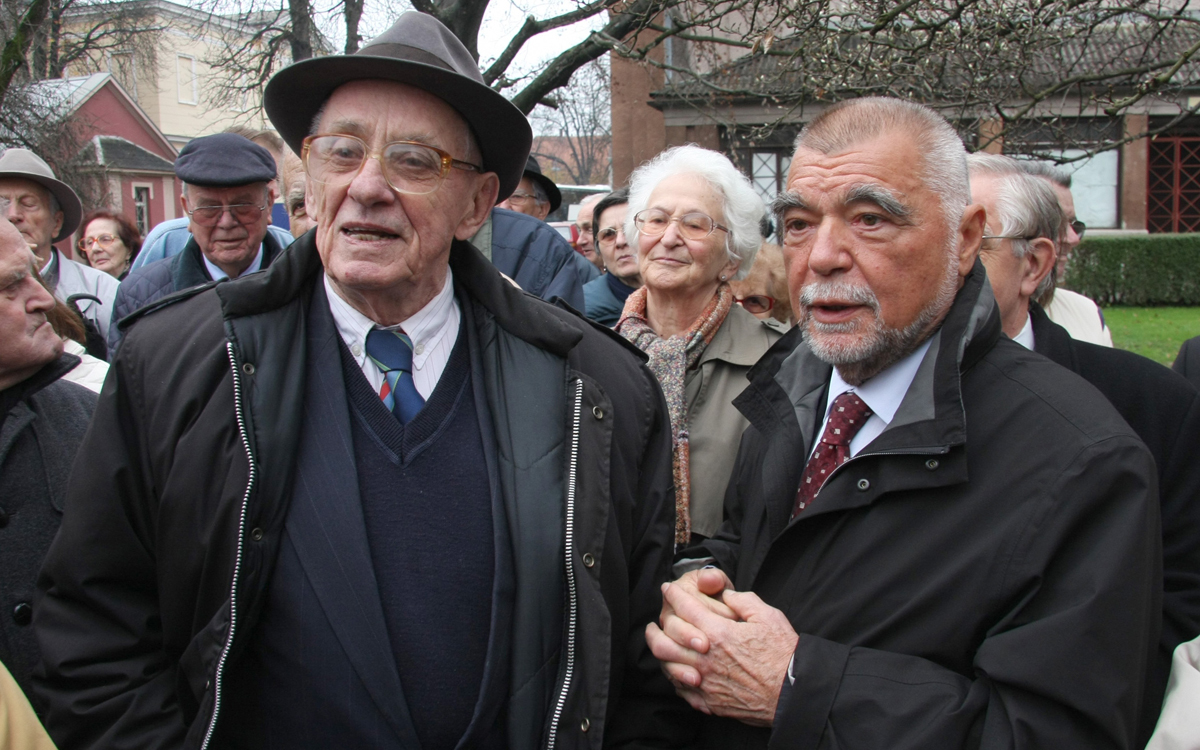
(695, 221)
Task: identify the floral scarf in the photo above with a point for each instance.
(670, 359)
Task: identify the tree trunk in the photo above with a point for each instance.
(15, 50)
(301, 37)
(353, 10)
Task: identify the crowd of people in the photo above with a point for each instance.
(419, 473)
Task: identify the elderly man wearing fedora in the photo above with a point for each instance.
(374, 496)
(45, 210)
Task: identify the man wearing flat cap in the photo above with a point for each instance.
(46, 210)
(227, 197)
(374, 496)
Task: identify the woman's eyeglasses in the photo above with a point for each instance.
(105, 241)
(756, 303)
(694, 226)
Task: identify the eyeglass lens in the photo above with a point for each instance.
(693, 226)
(757, 303)
(211, 215)
(103, 240)
(1079, 227)
(607, 236)
(408, 167)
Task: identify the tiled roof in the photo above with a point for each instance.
(795, 72)
(114, 152)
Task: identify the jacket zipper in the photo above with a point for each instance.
(237, 564)
(569, 549)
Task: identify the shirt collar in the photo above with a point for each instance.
(883, 392)
(424, 328)
(1025, 337)
(217, 274)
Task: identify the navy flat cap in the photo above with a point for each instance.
(224, 160)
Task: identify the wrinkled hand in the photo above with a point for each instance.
(731, 667)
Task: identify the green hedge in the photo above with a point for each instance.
(1144, 269)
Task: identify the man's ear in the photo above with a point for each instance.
(1037, 264)
(58, 222)
(487, 188)
(970, 236)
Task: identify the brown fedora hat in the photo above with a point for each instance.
(419, 51)
(24, 164)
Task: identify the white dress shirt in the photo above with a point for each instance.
(433, 330)
(216, 274)
(882, 393)
(1025, 337)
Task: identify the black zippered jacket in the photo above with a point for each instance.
(987, 573)
(173, 520)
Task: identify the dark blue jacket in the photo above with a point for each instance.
(156, 280)
(531, 253)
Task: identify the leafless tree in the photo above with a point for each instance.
(576, 133)
(1021, 70)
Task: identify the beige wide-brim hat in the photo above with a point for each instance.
(24, 164)
(419, 51)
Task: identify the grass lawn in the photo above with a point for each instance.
(1154, 332)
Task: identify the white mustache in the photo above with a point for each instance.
(841, 291)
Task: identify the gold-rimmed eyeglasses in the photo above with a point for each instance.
(692, 226)
(409, 167)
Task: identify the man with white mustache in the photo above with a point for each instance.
(897, 568)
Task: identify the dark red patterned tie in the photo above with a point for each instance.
(847, 416)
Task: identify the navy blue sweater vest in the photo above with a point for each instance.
(427, 504)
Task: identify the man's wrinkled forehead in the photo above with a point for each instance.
(17, 188)
(391, 111)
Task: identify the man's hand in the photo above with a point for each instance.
(729, 667)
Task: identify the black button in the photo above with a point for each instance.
(248, 368)
(597, 412)
(22, 613)
(3, 518)
(863, 485)
(931, 464)
(256, 535)
(588, 560)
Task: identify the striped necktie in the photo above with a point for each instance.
(391, 351)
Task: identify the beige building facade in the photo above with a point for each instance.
(169, 69)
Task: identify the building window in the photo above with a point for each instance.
(185, 74)
(767, 170)
(141, 209)
(122, 68)
(1174, 186)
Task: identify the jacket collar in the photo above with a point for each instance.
(518, 313)
(787, 383)
(740, 340)
(1050, 339)
(189, 269)
(51, 372)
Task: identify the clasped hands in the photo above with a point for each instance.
(726, 652)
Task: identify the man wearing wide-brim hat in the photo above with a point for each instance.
(46, 210)
(374, 496)
(536, 195)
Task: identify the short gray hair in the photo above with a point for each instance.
(1026, 205)
(856, 120)
(1060, 177)
(743, 209)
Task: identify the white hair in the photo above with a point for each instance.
(1026, 205)
(743, 209)
(942, 153)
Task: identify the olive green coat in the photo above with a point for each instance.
(714, 426)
